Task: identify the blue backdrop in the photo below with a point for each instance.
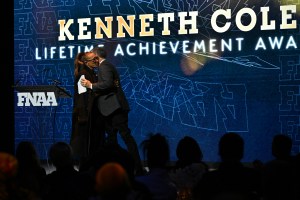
(236, 81)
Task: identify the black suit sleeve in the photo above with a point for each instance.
(105, 78)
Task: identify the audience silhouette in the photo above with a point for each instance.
(279, 174)
(9, 187)
(188, 152)
(30, 173)
(112, 182)
(231, 180)
(157, 180)
(189, 168)
(113, 153)
(64, 183)
(297, 176)
(110, 173)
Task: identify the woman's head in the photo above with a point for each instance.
(188, 151)
(157, 150)
(90, 59)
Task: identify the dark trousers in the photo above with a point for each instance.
(116, 123)
(96, 132)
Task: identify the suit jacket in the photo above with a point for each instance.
(110, 96)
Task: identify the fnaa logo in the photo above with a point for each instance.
(36, 99)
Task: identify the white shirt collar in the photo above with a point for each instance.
(101, 61)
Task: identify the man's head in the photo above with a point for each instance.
(231, 147)
(282, 146)
(112, 181)
(61, 155)
(100, 52)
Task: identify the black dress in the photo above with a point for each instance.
(83, 120)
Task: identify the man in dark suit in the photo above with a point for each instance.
(112, 103)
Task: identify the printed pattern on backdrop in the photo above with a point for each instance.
(198, 84)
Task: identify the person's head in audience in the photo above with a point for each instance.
(231, 147)
(112, 181)
(8, 166)
(281, 146)
(8, 172)
(157, 151)
(30, 172)
(257, 164)
(61, 155)
(188, 152)
(26, 154)
(114, 153)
